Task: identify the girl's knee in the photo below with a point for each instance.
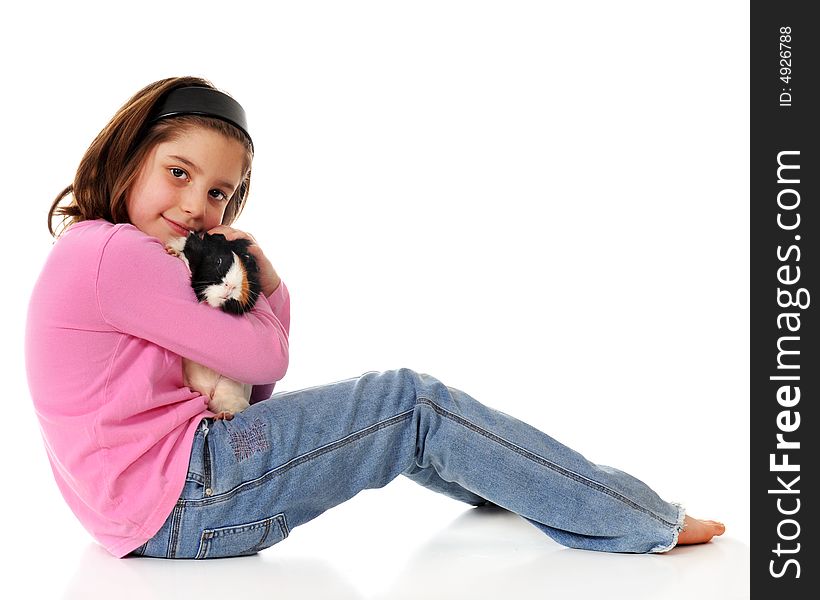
(424, 385)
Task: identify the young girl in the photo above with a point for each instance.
(147, 468)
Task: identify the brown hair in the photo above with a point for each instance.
(112, 162)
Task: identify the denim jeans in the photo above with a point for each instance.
(285, 461)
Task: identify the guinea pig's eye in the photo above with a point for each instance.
(219, 262)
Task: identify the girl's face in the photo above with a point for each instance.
(185, 183)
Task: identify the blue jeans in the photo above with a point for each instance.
(285, 461)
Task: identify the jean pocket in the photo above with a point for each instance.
(244, 539)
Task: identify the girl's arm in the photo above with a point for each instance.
(145, 292)
(280, 303)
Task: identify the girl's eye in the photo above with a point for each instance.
(178, 173)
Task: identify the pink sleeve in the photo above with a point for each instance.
(280, 303)
(145, 292)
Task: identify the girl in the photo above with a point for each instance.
(147, 468)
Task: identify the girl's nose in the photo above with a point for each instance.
(194, 204)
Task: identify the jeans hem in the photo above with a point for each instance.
(675, 531)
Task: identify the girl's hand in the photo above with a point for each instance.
(267, 274)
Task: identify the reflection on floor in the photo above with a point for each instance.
(482, 553)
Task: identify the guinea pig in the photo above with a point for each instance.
(225, 275)
(223, 272)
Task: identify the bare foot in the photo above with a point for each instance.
(697, 531)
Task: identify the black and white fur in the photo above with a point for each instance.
(224, 274)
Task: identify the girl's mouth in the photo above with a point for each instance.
(177, 228)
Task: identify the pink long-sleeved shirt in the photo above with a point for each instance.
(109, 320)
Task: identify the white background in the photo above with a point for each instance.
(543, 204)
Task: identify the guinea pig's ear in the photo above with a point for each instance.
(240, 245)
(194, 243)
(194, 248)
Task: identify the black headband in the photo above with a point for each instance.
(208, 102)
